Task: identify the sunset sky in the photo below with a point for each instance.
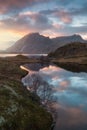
(48, 17)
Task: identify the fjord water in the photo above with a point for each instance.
(68, 93)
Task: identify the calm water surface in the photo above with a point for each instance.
(29, 55)
(67, 89)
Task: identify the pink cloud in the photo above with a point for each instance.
(51, 69)
(8, 5)
(70, 117)
(64, 16)
(64, 83)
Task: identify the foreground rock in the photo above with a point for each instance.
(19, 109)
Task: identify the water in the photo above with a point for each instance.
(8, 55)
(29, 55)
(65, 89)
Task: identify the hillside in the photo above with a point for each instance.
(74, 52)
(19, 109)
(35, 43)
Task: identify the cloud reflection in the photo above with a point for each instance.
(71, 119)
(70, 93)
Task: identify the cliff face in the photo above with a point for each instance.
(19, 109)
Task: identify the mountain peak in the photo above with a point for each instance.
(35, 33)
(77, 35)
(77, 38)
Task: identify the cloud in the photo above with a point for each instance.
(79, 11)
(45, 16)
(74, 29)
(29, 22)
(73, 11)
(60, 14)
(68, 14)
(17, 5)
(64, 83)
(40, 21)
(71, 118)
(64, 16)
(70, 30)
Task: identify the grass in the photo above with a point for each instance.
(19, 109)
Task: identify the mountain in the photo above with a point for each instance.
(61, 41)
(35, 43)
(32, 43)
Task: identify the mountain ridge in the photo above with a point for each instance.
(34, 43)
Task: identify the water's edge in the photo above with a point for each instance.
(46, 106)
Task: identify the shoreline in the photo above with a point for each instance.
(14, 95)
(45, 106)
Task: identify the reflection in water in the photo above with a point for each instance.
(73, 67)
(68, 89)
(35, 83)
(35, 66)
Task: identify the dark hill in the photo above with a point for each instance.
(70, 50)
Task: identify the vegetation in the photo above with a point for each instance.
(71, 53)
(19, 109)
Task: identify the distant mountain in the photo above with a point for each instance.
(61, 41)
(75, 49)
(35, 43)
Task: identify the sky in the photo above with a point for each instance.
(48, 17)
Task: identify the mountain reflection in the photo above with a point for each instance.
(67, 89)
